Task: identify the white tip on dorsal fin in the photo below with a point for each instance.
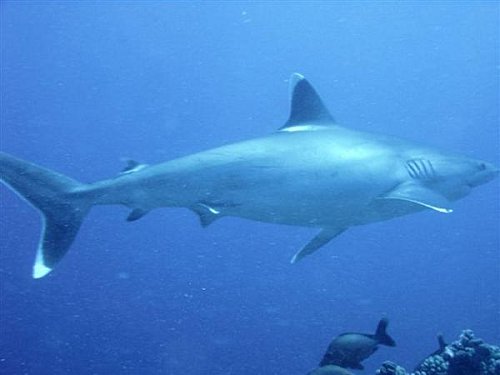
(292, 82)
(307, 108)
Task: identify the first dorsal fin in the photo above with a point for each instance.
(307, 107)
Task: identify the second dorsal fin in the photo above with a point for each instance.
(132, 166)
(307, 108)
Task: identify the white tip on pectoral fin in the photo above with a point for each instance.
(443, 210)
(39, 268)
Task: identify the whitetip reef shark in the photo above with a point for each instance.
(310, 173)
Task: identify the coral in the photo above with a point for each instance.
(466, 356)
(390, 368)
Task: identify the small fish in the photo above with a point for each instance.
(349, 349)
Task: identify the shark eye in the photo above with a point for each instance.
(482, 166)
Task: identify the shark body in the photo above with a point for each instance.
(312, 172)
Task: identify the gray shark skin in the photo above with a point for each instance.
(311, 173)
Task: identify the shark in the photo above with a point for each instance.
(311, 172)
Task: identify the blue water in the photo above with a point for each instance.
(86, 84)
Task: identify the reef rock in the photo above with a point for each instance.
(466, 356)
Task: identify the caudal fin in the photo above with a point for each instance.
(59, 201)
(381, 334)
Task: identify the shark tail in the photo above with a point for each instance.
(381, 334)
(61, 201)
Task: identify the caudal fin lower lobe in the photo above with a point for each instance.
(58, 199)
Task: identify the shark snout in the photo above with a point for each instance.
(485, 173)
(495, 172)
(492, 169)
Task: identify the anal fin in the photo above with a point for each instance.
(137, 214)
(321, 239)
(206, 213)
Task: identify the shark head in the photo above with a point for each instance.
(438, 179)
(480, 172)
(458, 175)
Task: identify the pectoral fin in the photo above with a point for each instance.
(322, 238)
(421, 195)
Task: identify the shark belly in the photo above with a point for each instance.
(330, 202)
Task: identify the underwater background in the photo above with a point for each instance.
(85, 84)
